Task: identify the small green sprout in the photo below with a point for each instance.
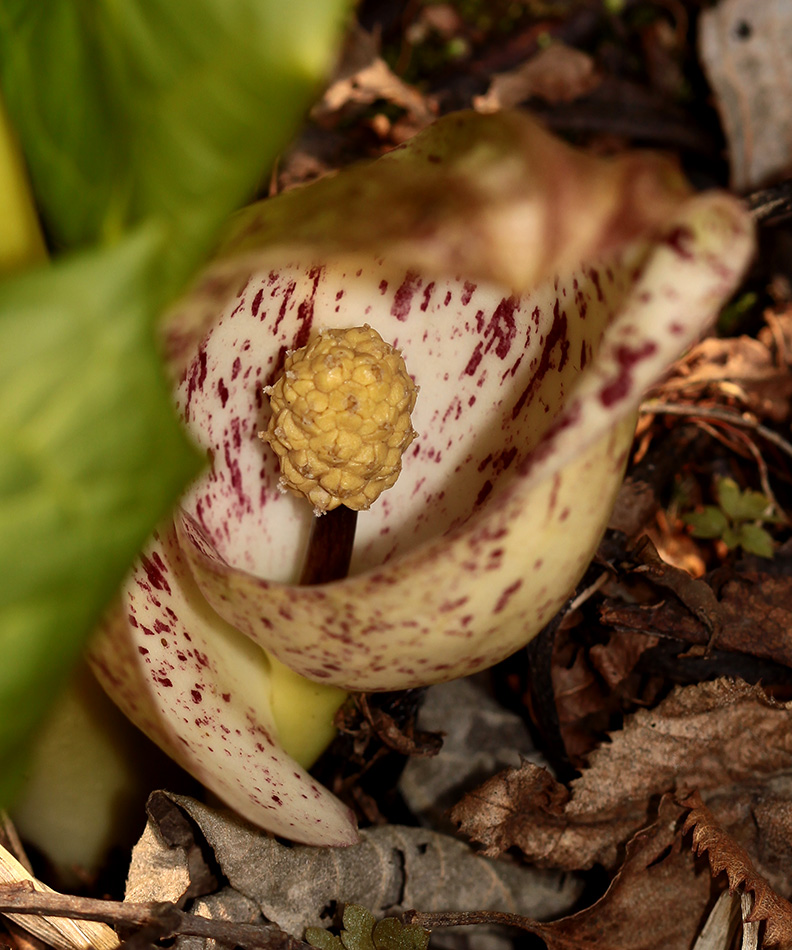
(737, 519)
(733, 313)
(362, 932)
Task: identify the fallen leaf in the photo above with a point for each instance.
(392, 868)
(725, 855)
(749, 601)
(758, 816)
(615, 660)
(745, 52)
(695, 738)
(636, 503)
(753, 371)
(556, 74)
(363, 78)
(655, 902)
(592, 685)
(697, 596)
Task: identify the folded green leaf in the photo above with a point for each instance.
(144, 124)
(150, 108)
(92, 455)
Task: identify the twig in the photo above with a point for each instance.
(743, 420)
(65, 934)
(589, 592)
(430, 920)
(771, 204)
(165, 916)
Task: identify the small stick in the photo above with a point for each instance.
(743, 420)
(330, 546)
(429, 920)
(162, 915)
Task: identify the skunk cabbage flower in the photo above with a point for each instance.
(534, 293)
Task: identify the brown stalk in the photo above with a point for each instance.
(330, 547)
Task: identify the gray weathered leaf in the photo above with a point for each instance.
(393, 868)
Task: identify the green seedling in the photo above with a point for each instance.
(737, 519)
(362, 932)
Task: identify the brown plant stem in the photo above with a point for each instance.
(163, 916)
(329, 546)
(430, 920)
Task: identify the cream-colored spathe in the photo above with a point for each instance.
(535, 293)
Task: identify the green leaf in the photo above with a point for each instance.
(739, 505)
(323, 939)
(361, 932)
(387, 934)
(144, 124)
(728, 495)
(755, 540)
(173, 109)
(710, 522)
(391, 934)
(358, 928)
(731, 537)
(92, 457)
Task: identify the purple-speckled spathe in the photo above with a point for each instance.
(524, 420)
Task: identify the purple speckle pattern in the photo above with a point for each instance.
(197, 692)
(525, 417)
(529, 395)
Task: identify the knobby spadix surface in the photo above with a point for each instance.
(534, 292)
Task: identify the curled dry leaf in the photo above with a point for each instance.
(556, 74)
(725, 855)
(748, 601)
(752, 371)
(655, 902)
(704, 736)
(592, 685)
(391, 869)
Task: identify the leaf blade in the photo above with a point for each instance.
(93, 454)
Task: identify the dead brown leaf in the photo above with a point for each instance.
(753, 372)
(744, 49)
(616, 660)
(697, 596)
(655, 902)
(592, 685)
(754, 613)
(636, 503)
(363, 78)
(556, 74)
(704, 736)
(726, 855)
(757, 816)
